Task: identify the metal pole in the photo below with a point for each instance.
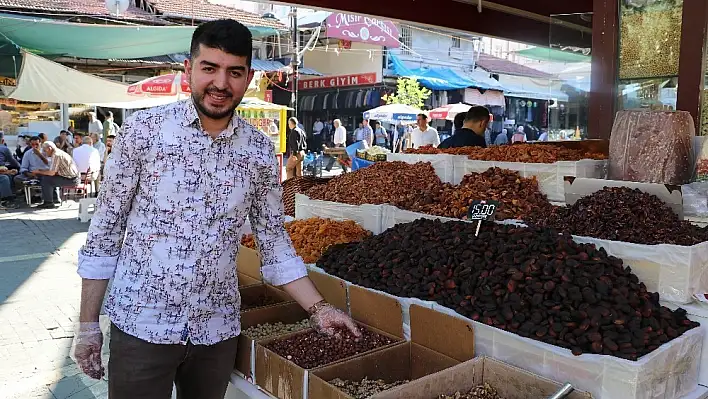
(295, 64)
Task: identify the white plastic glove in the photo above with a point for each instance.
(326, 319)
(86, 349)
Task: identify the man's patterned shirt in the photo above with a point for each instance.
(168, 225)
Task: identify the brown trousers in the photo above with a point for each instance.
(293, 166)
(140, 370)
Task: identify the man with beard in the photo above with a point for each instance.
(167, 230)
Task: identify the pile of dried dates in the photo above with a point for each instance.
(529, 281)
(622, 214)
(527, 153)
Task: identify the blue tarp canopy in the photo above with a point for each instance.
(437, 78)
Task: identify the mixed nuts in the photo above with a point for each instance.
(311, 349)
(365, 388)
(270, 330)
(529, 281)
(480, 392)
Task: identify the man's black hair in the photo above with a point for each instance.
(226, 35)
(424, 116)
(459, 120)
(35, 138)
(111, 136)
(477, 113)
(39, 136)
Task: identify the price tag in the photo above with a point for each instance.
(482, 210)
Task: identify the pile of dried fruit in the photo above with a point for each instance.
(297, 185)
(392, 183)
(529, 281)
(416, 187)
(269, 330)
(623, 214)
(519, 196)
(480, 392)
(312, 236)
(528, 153)
(311, 349)
(365, 388)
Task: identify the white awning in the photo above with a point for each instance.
(42, 80)
(537, 89)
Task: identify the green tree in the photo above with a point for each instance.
(408, 92)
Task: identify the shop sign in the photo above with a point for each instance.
(338, 81)
(268, 96)
(7, 81)
(357, 28)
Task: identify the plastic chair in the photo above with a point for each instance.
(80, 191)
(87, 207)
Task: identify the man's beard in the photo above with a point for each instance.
(228, 110)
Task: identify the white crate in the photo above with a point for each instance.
(367, 216)
(675, 272)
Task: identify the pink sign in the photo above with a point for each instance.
(362, 29)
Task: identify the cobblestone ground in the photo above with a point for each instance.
(39, 301)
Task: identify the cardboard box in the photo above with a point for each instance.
(509, 381)
(286, 380)
(332, 289)
(253, 293)
(452, 338)
(245, 280)
(248, 262)
(576, 188)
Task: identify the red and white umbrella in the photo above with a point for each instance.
(170, 85)
(449, 111)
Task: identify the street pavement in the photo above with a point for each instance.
(39, 302)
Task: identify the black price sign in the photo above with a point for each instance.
(482, 210)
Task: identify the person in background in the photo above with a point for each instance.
(95, 126)
(9, 167)
(88, 159)
(519, 136)
(109, 127)
(340, 140)
(543, 136)
(368, 133)
(317, 137)
(78, 140)
(471, 134)
(42, 138)
(359, 133)
(22, 147)
(109, 146)
(61, 173)
(63, 143)
(380, 135)
(98, 145)
(424, 134)
(32, 161)
(458, 122)
(296, 146)
(502, 138)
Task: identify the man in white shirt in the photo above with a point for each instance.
(95, 126)
(368, 133)
(340, 134)
(318, 127)
(423, 134)
(98, 145)
(87, 158)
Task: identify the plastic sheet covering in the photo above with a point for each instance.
(442, 163)
(367, 216)
(675, 272)
(671, 371)
(652, 147)
(550, 176)
(695, 199)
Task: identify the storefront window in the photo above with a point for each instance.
(650, 38)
